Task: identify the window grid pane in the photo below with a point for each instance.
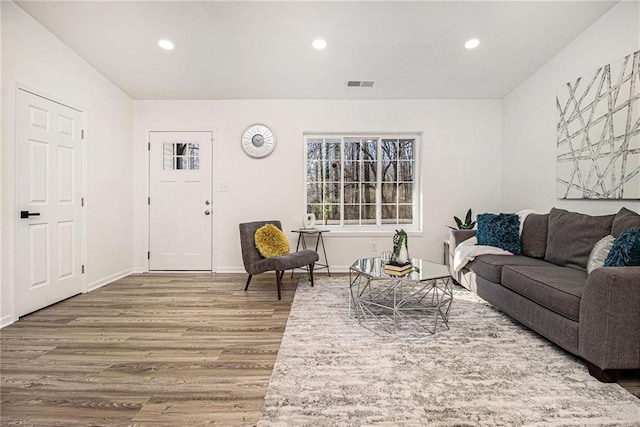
(360, 169)
(361, 180)
(180, 156)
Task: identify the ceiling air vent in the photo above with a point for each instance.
(360, 83)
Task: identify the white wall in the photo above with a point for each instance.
(529, 115)
(33, 56)
(487, 155)
(461, 151)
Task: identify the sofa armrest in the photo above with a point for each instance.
(455, 238)
(458, 236)
(610, 317)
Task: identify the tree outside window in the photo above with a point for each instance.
(356, 181)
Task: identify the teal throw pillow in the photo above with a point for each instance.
(501, 231)
(625, 251)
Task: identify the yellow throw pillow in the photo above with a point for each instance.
(271, 241)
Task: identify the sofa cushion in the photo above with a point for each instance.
(557, 288)
(625, 251)
(624, 220)
(285, 262)
(489, 267)
(501, 231)
(572, 235)
(599, 253)
(534, 235)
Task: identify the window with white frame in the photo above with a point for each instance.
(363, 181)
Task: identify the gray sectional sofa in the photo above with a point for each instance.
(594, 316)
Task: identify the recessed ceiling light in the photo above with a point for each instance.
(165, 44)
(472, 44)
(319, 44)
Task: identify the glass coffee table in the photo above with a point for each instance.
(422, 297)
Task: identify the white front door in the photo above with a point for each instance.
(49, 195)
(180, 203)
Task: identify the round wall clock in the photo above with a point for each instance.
(258, 141)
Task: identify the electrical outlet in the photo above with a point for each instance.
(374, 246)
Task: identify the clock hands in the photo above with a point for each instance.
(257, 140)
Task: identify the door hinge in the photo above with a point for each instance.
(82, 134)
(148, 200)
(82, 201)
(148, 255)
(148, 146)
(83, 269)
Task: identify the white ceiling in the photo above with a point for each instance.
(262, 50)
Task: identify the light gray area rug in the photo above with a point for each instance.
(485, 371)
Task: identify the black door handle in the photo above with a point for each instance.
(27, 214)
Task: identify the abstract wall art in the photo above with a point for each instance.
(598, 145)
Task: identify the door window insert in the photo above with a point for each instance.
(181, 156)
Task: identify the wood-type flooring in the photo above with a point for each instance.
(171, 349)
(155, 350)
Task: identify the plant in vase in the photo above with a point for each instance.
(400, 263)
(400, 255)
(468, 224)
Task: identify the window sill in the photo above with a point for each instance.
(340, 232)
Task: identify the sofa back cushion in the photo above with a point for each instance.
(624, 220)
(572, 235)
(534, 235)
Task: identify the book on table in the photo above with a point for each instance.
(398, 269)
(398, 273)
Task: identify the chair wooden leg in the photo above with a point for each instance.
(248, 280)
(311, 273)
(278, 280)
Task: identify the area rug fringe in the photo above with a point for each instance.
(487, 370)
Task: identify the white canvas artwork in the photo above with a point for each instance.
(598, 142)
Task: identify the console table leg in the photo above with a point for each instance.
(324, 251)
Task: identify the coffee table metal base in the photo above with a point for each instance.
(394, 302)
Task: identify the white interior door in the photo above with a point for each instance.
(49, 193)
(180, 208)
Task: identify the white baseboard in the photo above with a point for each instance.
(7, 320)
(336, 269)
(333, 269)
(105, 281)
(230, 270)
(139, 270)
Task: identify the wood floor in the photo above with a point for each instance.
(182, 349)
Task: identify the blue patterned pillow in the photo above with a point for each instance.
(501, 231)
(625, 251)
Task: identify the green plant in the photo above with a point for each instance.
(468, 224)
(398, 256)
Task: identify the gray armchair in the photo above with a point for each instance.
(254, 263)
